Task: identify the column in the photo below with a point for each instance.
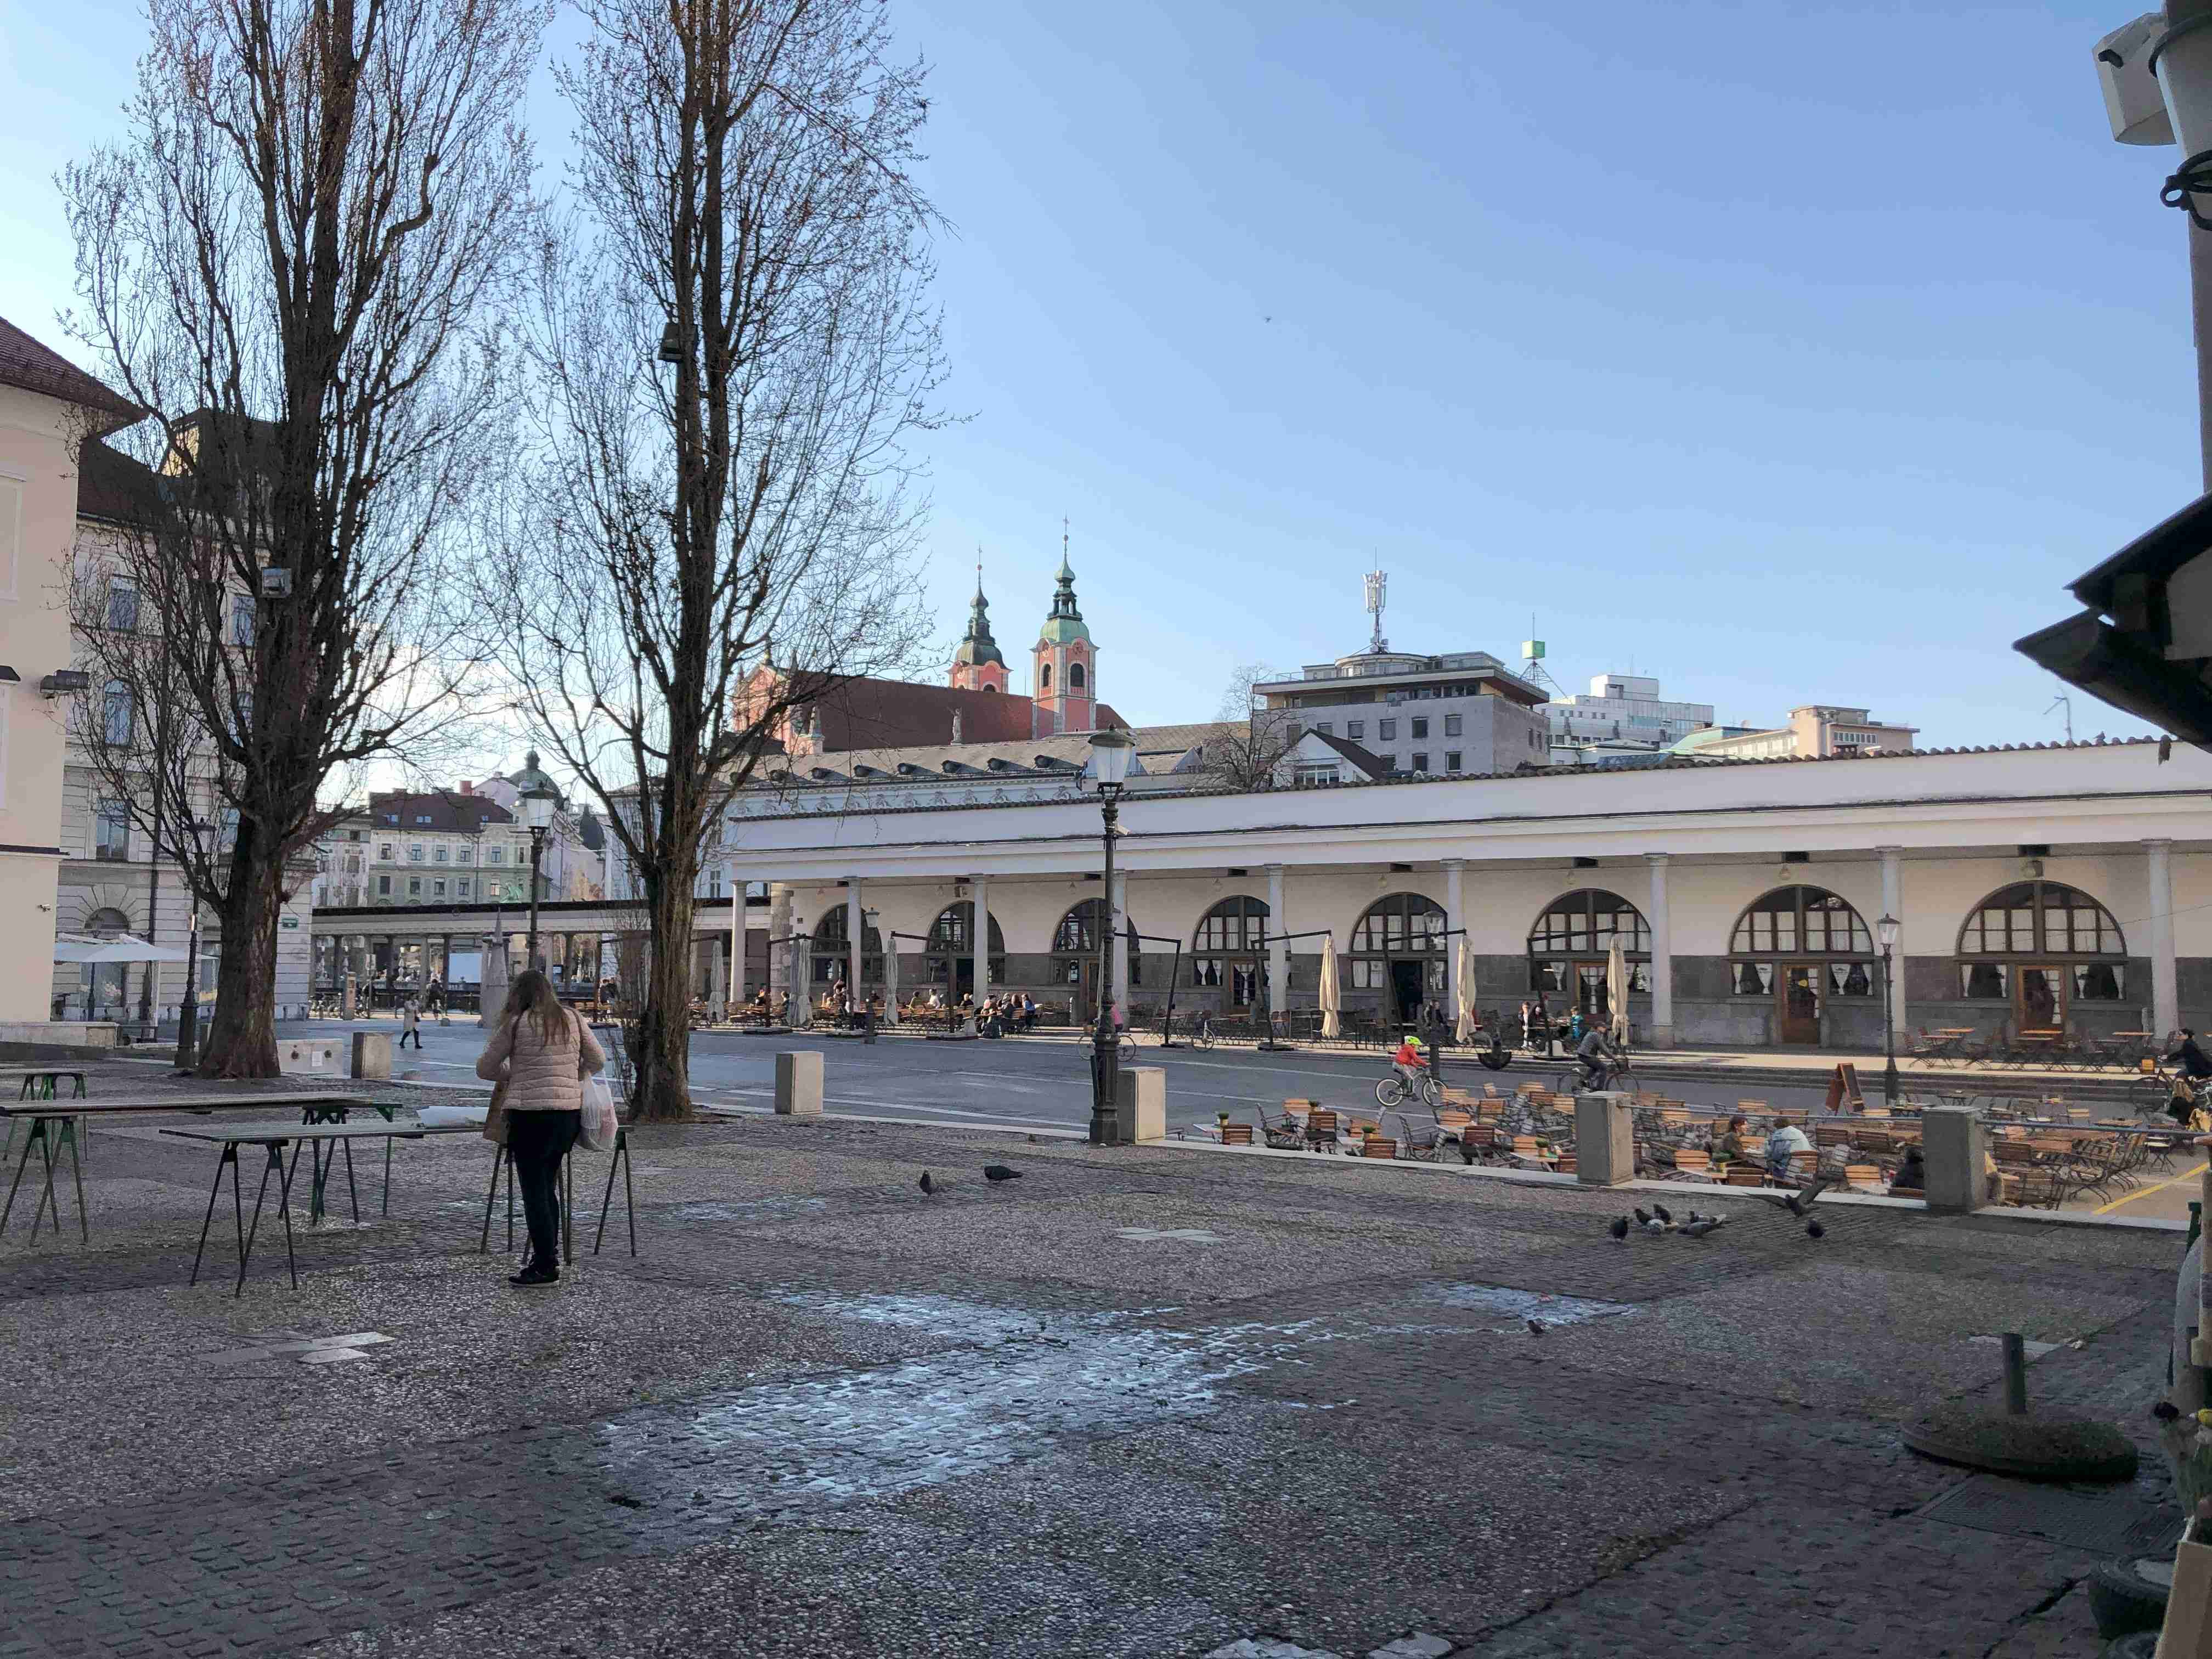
(1279, 950)
(854, 955)
(1120, 922)
(1455, 942)
(978, 940)
(1662, 956)
(737, 941)
(1892, 904)
(2165, 992)
(779, 955)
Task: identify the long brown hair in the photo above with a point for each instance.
(532, 993)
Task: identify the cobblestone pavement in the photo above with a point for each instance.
(1145, 1402)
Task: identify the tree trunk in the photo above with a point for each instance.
(241, 1040)
(660, 1087)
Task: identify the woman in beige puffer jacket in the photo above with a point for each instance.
(543, 1052)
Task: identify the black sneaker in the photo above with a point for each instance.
(534, 1274)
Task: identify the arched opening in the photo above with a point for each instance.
(1075, 955)
(1227, 950)
(1075, 677)
(833, 953)
(947, 962)
(107, 984)
(1398, 949)
(2039, 949)
(1044, 677)
(1807, 951)
(1568, 946)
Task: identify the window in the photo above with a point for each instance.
(1800, 922)
(1238, 929)
(1317, 774)
(353, 864)
(1421, 761)
(714, 882)
(948, 946)
(1390, 762)
(1589, 920)
(495, 855)
(1451, 760)
(440, 853)
(1355, 730)
(1421, 727)
(415, 853)
(2041, 918)
(1075, 677)
(437, 889)
(421, 818)
(242, 619)
(1387, 730)
(1407, 927)
(384, 887)
(115, 713)
(112, 832)
(1292, 732)
(383, 851)
(464, 853)
(1044, 677)
(461, 887)
(1451, 726)
(122, 605)
(1327, 728)
(414, 887)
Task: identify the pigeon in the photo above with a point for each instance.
(1641, 1218)
(928, 1185)
(1698, 1226)
(1000, 1172)
(1654, 1224)
(1661, 1211)
(1815, 1229)
(1620, 1228)
(1535, 1328)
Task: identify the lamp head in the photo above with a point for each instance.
(537, 803)
(1111, 752)
(1885, 930)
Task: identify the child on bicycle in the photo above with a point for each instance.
(1409, 1062)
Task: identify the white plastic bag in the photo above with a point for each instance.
(599, 1120)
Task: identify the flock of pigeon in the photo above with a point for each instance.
(1659, 1220)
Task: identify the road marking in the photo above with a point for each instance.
(2187, 1174)
(896, 1106)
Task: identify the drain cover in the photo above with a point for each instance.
(2095, 1525)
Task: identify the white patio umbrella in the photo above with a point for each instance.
(1616, 988)
(1331, 1004)
(84, 947)
(1464, 1031)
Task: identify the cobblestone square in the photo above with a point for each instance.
(1149, 1401)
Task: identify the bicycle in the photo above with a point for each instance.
(1201, 1034)
(1392, 1090)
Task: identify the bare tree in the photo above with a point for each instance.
(1246, 755)
(734, 344)
(295, 261)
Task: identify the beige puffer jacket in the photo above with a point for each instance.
(541, 1077)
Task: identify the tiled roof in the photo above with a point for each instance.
(114, 488)
(34, 367)
(445, 809)
(1160, 749)
(1369, 762)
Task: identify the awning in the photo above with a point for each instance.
(83, 947)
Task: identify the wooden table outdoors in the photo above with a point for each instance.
(54, 1125)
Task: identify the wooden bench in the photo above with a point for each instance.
(1867, 1176)
(1690, 1159)
(1745, 1174)
(1378, 1147)
(1236, 1135)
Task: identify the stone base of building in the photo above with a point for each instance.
(74, 1033)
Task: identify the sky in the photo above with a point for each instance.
(1788, 354)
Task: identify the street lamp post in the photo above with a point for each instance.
(188, 1011)
(1110, 754)
(1886, 930)
(537, 802)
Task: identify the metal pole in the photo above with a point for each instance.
(536, 851)
(1888, 1029)
(1106, 1055)
(2015, 1375)
(2200, 314)
(188, 1011)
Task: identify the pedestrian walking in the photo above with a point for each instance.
(540, 1053)
(410, 1024)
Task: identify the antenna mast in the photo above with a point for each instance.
(2062, 701)
(1378, 595)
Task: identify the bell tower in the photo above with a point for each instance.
(1065, 694)
(977, 665)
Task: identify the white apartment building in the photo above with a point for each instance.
(1626, 706)
(1461, 714)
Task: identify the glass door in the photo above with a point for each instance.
(2039, 998)
(1800, 1005)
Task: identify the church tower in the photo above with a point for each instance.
(1066, 694)
(976, 664)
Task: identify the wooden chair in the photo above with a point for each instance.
(1866, 1176)
(1320, 1126)
(1690, 1159)
(1745, 1174)
(1378, 1147)
(1236, 1135)
(1830, 1134)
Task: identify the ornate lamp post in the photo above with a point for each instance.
(537, 802)
(1886, 930)
(1110, 754)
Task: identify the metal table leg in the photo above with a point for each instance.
(44, 1130)
(283, 1203)
(630, 1198)
(568, 1199)
(230, 1157)
(22, 1161)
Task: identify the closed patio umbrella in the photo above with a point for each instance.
(1616, 989)
(1464, 1031)
(891, 983)
(1331, 1003)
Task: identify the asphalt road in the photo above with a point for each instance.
(1017, 1082)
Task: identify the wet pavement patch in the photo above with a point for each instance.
(1181, 1235)
(306, 1350)
(1526, 1304)
(2099, 1524)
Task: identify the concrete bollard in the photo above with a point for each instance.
(1144, 1104)
(1954, 1142)
(372, 1054)
(1605, 1139)
(798, 1083)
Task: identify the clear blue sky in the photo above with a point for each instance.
(1790, 354)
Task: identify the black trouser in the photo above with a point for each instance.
(415, 1031)
(538, 1141)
